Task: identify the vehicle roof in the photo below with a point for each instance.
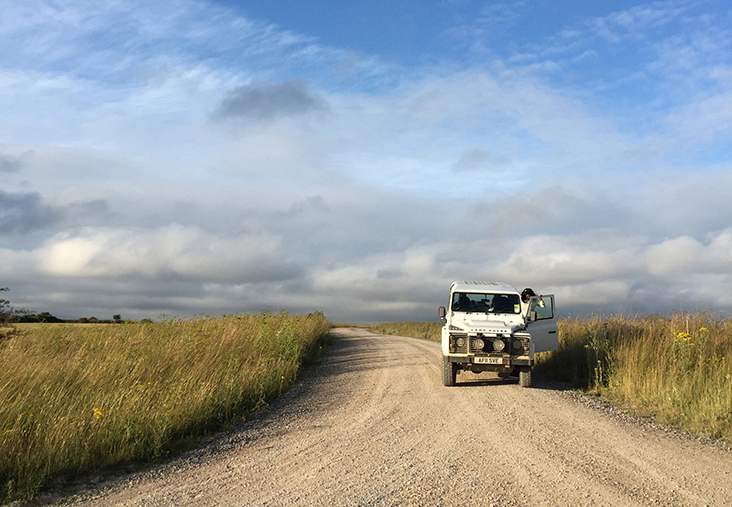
(488, 287)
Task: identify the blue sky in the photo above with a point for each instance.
(211, 157)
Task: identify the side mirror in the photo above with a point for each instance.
(441, 312)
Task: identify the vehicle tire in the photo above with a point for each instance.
(449, 372)
(525, 376)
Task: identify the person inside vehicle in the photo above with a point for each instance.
(527, 294)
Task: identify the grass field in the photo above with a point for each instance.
(80, 397)
(677, 368)
(425, 330)
(75, 398)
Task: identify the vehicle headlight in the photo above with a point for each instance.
(478, 344)
(498, 345)
(460, 342)
(518, 345)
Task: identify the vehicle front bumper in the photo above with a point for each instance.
(507, 361)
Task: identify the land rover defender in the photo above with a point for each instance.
(489, 327)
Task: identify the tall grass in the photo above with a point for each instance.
(425, 330)
(79, 398)
(678, 369)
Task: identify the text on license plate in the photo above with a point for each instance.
(488, 360)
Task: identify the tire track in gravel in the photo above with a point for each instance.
(373, 425)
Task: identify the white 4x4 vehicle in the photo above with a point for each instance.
(489, 328)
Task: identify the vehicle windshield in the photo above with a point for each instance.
(485, 303)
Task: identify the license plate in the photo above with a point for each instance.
(488, 360)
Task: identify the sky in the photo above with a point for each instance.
(201, 157)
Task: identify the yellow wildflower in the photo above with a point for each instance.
(703, 329)
(680, 335)
(98, 413)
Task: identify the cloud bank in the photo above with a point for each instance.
(355, 185)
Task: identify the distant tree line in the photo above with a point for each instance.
(38, 317)
(10, 315)
(47, 317)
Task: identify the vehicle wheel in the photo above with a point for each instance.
(525, 376)
(449, 372)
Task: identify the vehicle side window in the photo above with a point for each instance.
(547, 312)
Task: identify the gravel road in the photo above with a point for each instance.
(373, 425)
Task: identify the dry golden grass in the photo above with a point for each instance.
(76, 398)
(678, 369)
(425, 330)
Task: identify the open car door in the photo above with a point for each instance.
(541, 322)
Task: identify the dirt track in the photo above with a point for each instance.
(373, 425)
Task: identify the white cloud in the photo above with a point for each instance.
(682, 255)
(702, 121)
(355, 208)
(594, 294)
(177, 251)
(567, 260)
(635, 21)
(16, 261)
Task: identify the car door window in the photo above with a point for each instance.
(547, 312)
